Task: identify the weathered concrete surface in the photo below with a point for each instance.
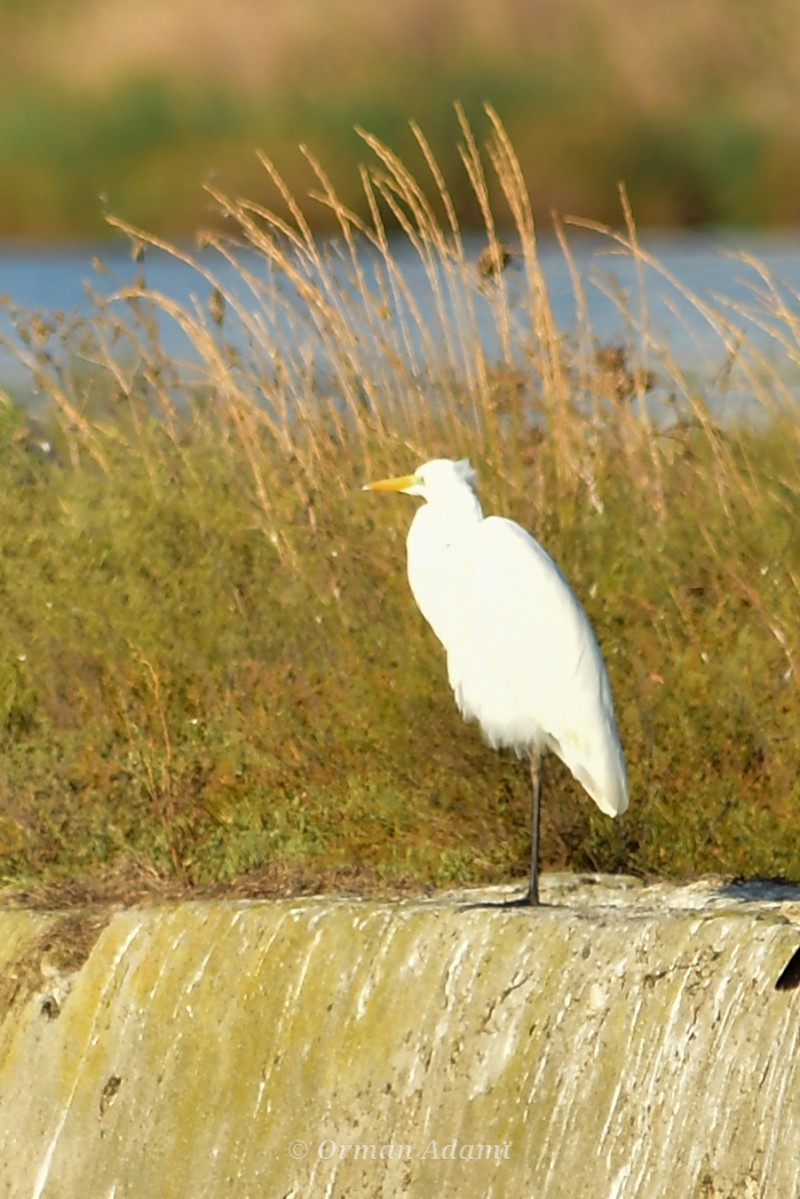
(626, 1043)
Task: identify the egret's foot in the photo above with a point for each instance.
(528, 900)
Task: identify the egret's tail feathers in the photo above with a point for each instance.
(598, 765)
(607, 786)
(614, 800)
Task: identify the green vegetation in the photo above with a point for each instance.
(694, 108)
(209, 657)
(64, 157)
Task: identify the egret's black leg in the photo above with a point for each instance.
(531, 897)
(536, 795)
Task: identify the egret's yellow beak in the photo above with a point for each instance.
(401, 483)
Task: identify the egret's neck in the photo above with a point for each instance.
(439, 542)
(456, 508)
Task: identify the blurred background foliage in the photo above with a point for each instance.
(131, 107)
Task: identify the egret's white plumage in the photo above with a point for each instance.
(522, 658)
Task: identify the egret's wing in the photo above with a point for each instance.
(523, 634)
(524, 661)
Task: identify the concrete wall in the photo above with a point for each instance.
(627, 1042)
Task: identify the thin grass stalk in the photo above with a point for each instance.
(556, 392)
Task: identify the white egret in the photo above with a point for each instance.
(522, 657)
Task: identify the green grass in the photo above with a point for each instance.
(697, 113)
(145, 147)
(209, 656)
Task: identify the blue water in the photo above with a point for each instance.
(58, 280)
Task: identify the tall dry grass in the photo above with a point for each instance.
(211, 651)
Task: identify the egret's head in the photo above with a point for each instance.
(431, 481)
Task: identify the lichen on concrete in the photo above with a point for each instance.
(622, 1041)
